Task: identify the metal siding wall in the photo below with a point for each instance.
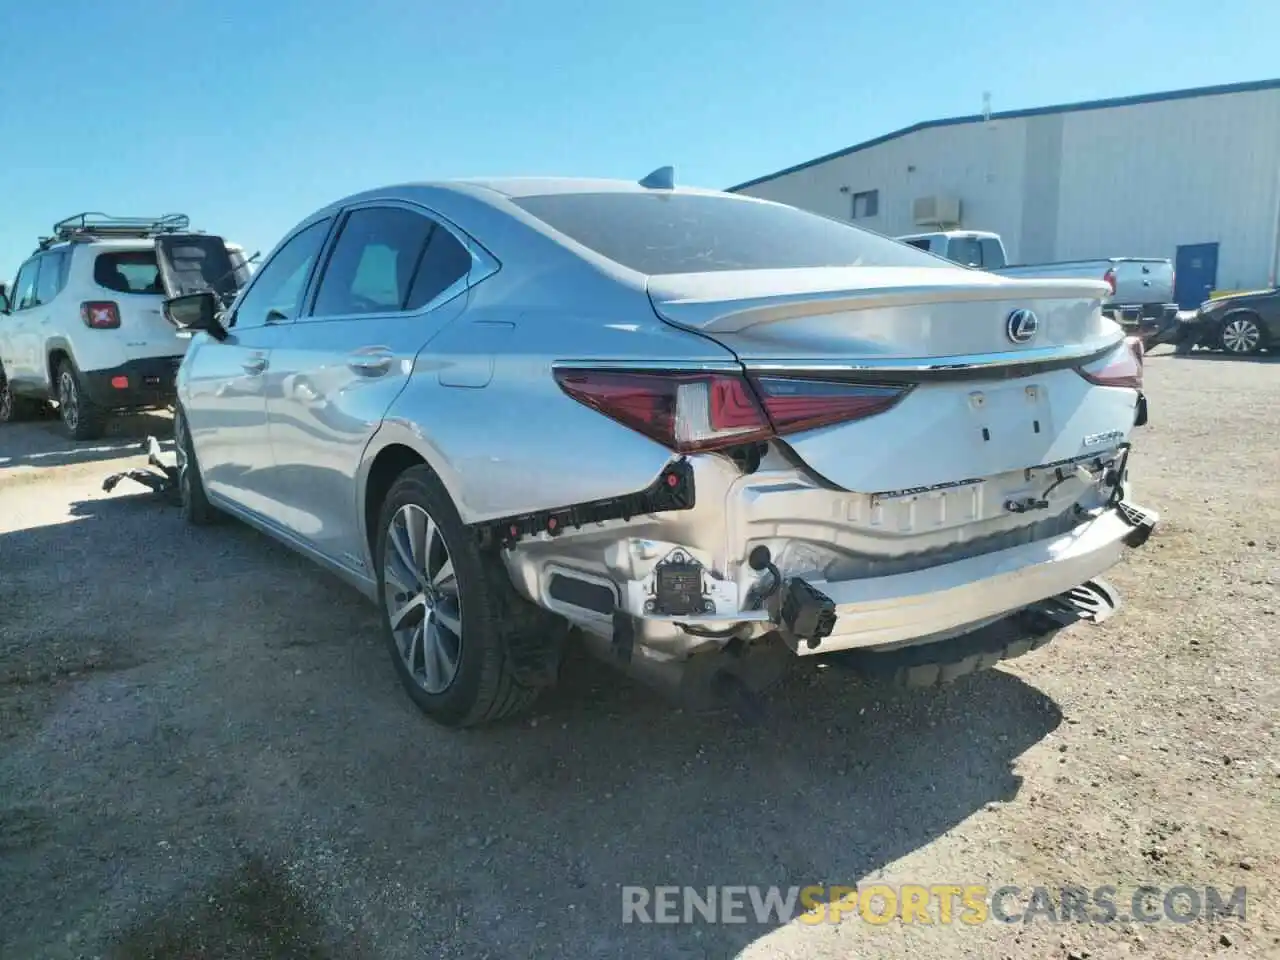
(1126, 181)
(982, 164)
(1041, 188)
(1139, 181)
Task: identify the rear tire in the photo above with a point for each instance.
(196, 508)
(459, 626)
(81, 419)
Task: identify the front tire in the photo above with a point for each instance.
(450, 616)
(1242, 334)
(14, 408)
(196, 508)
(80, 418)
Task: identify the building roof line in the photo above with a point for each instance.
(1190, 93)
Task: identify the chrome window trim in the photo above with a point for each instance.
(483, 263)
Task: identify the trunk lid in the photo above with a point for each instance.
(879, 313)
(193, 262)
(985, 390)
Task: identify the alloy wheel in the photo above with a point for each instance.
(1241, 335)
(68, 400)
(422, 600)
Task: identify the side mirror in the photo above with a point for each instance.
(4, 298)
(196, 311)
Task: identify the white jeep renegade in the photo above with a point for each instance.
(83, 325)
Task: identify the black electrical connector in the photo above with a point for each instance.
(808, 613)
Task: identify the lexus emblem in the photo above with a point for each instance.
(1022, 326)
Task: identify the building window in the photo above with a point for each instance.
(866, 204)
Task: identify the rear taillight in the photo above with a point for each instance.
(689, 412)
(1122, 367)
(1110, 278)
(793, 405)
(100, 314)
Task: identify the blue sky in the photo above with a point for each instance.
(248, 115)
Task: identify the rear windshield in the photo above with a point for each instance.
(128, 271)
(985, 252)
(656, 233)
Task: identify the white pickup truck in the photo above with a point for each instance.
(1141, 289)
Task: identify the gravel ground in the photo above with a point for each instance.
(204, 751)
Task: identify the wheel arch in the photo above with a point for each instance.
(394, 449)
(57, 349)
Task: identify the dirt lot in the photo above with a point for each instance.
(204, 751)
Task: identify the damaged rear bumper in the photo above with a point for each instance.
(910, 567)
(925, 605)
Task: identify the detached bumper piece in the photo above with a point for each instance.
(932, 664)
(673, 490)
(1142, 521)
(162, 479)
(900, 609)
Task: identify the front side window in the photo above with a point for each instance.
(24, 288)
(128, 271)
(388, 259)
(663, 233)
(278, 287)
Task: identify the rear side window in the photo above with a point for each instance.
(664, 233)
(128, 271)
(388, 259)
(444, 263)
(920, 244)
(965, 250)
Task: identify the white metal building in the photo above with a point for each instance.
(1192, 175)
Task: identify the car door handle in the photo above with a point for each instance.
(255, 365)
(374, 363)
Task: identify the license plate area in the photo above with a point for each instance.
(1015, 413)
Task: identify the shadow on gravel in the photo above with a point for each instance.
(510, 840)
(251, 913)
(1222, 357)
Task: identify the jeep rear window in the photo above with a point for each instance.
(663, 233)
(128, 271)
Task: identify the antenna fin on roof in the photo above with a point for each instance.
(664, 178)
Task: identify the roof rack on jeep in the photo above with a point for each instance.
(100, 225)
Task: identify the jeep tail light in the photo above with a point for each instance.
(1110, 278)
(100, 314)
(689, 412)
(1121, 367)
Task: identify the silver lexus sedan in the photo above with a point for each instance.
(708, 434)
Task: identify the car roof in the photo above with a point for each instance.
(489, 189)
